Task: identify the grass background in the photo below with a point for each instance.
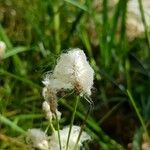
(36, 32)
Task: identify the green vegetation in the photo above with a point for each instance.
(36, 32)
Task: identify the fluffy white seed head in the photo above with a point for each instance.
(2, 49)
(71, 72)
(37, 139)
(54, 143)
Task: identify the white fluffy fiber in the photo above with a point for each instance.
(37, 138)
(54, 143)
(72, 69)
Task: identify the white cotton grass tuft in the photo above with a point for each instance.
(2, 49)
(72, 71)
(37, 139)
(54, 142)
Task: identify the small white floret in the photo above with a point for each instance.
(37, 139)
(45, 106)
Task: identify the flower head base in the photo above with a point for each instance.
(37, 138)
(54, 143)
(71, 72)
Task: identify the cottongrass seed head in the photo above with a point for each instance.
(37, 139)
(54, 142)
(72, 71)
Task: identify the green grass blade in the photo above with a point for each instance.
(137, 112)
(75, 3)
(15, 51)
(9, 123)
(57, 22)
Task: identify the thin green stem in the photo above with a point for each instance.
(72, 120)
(51, 126)
(137, 112)
(95, 128)
(58, 131)
(82, 127)
(47, 128)
(109, 113)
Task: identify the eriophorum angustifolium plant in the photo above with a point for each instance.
(72, 72)
(115, 37)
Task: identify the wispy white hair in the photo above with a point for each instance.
(54, 143)
(71, 71)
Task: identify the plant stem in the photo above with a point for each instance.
(82, 127)
(72, 120)
(96, 128)
(59, 138)
(50, 125)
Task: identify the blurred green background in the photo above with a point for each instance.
(36, 32)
